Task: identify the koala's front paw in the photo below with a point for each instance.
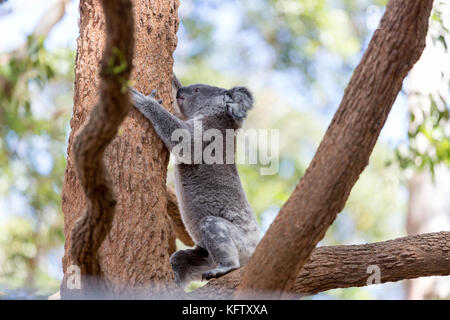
(141, 101)
(152, 95)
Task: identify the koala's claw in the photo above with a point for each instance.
(211, 274)
(160, 101)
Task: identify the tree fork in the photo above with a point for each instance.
(332, 267)
(343, 153)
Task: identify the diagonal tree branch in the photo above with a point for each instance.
(343, 153)
(347, 266)
(91, 142)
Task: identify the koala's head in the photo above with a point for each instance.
(203, 100)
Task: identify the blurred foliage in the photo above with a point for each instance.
(300, 134)
(429, 124)
(312, 40)
(35, 94)
(300, 29)
(433, 132)
(297, 32)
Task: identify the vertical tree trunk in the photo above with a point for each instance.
(136, 251)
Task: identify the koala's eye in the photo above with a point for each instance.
(196, 90)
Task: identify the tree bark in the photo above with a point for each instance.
(343, 153)
(135, 253)
(347, 266)
(93, 226)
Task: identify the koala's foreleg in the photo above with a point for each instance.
(163, 121)
(216, 236)
(189, 265)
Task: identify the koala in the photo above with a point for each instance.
(212, 201)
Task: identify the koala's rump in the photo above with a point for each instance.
(219, 193)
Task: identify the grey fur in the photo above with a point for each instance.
(213, 204)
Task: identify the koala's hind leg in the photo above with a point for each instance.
(188, 265)
(218, 235)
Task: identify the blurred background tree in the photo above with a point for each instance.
(426, 155)
(295, 55)
(35, 101)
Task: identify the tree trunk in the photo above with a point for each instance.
(343, 153)
(135, 253)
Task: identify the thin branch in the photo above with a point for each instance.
(348, 266)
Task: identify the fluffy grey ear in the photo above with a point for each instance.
(238, 101)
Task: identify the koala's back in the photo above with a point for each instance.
(205, 191)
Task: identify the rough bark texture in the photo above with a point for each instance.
(346, 266)
(135, 253)
(343, 153)
(93, 226)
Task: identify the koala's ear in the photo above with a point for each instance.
(238, 101)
